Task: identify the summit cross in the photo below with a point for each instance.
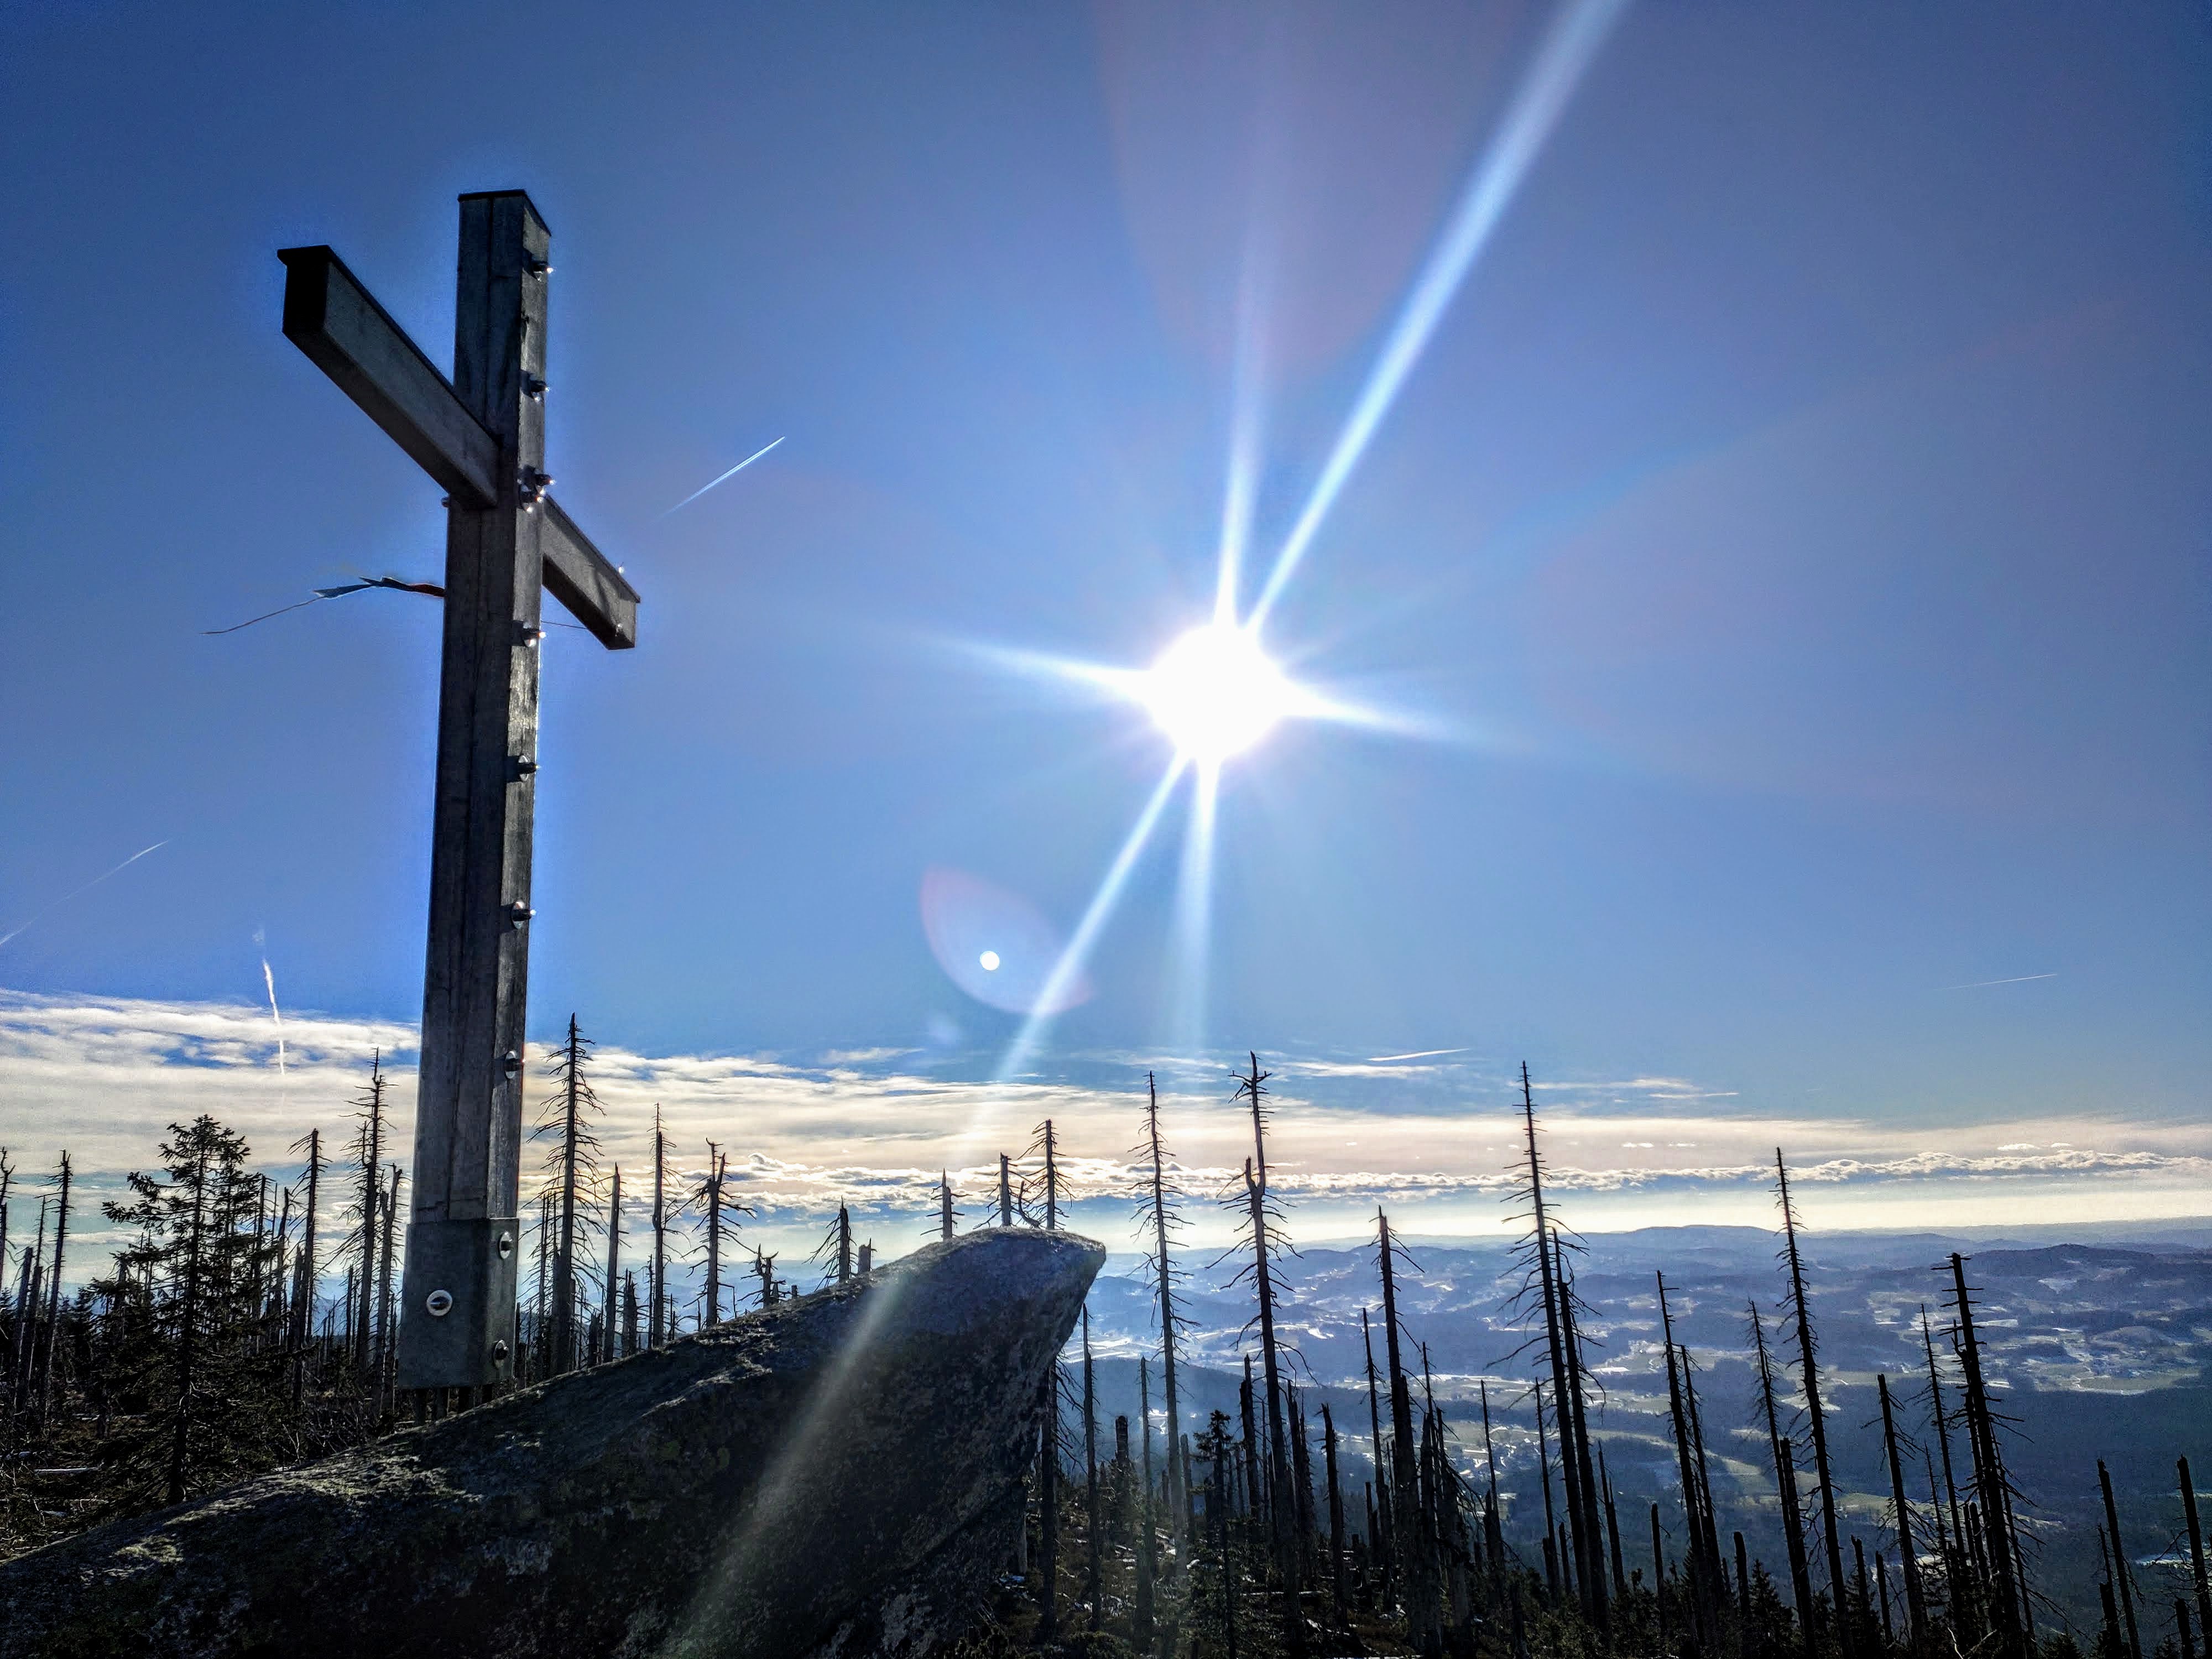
(481, 435)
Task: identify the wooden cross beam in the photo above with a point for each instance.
(481, 435)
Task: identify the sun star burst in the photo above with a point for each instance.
(1215, 693)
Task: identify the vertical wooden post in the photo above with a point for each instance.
(459, 1295)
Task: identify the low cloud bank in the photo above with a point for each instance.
(101, 1077)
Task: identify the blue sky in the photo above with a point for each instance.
(1793, 537)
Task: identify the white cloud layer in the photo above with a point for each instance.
(871, 1127)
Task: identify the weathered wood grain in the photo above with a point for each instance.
(329, 315)
(586, 582)
(481, 435)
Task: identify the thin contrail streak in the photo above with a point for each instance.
(732, 473)
(1425, 1053)
(1086, 932)
(2017, 979)
(1566, 53)
(87, 888)
(267, 978)
(270, 979)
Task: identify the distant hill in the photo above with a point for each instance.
(2100, 1349)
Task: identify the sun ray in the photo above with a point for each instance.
(1575, 36)
(1242, 484)
(1125, 684)
(1025, 1045)
(1214, 692)
(1193, 929)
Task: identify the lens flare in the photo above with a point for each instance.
(1214, 692)
(996, 945)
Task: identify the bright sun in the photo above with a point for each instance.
(1214, 692)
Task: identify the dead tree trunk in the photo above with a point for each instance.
(54, 1296)
(1417, 1562)
(1309, 1523)
(1822, 1469)
(1247, 1399)
(1940, 1421)
(386, 1325)
(611, 1302)
(7, 1178)
(1562, 1415)
(1611, 1526)
(1579, 1473)
(303, 1290)
(29, 1293)
(711, 1192)
(371, 1156)
(1177, 1498)
(1989, 1476)
(656, 1326)
(1685, 1452)
(1785, 1482)
(1218, 1503)
(1045, 1145)
(2197, 1555)
(1385, 1558)
(1554, 1563)
(1047, 1628)
(1341, 1597)
(1707, 1512)
(1916, 1602)
(564, 1257)
(1148, 1536)
(2120, 1574)
(1282, 1512)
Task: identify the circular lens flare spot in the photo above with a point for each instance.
(1214, 692)
(996, 945)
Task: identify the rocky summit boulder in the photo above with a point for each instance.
(840, 1474)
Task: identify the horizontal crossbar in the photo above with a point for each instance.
(579, 575)
(329, 315)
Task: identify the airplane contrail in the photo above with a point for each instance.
(87, 888)
(2017, 979)
(270, 979)
(732, 473)
(1425, 1053)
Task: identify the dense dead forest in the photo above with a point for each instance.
(248, 1323)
